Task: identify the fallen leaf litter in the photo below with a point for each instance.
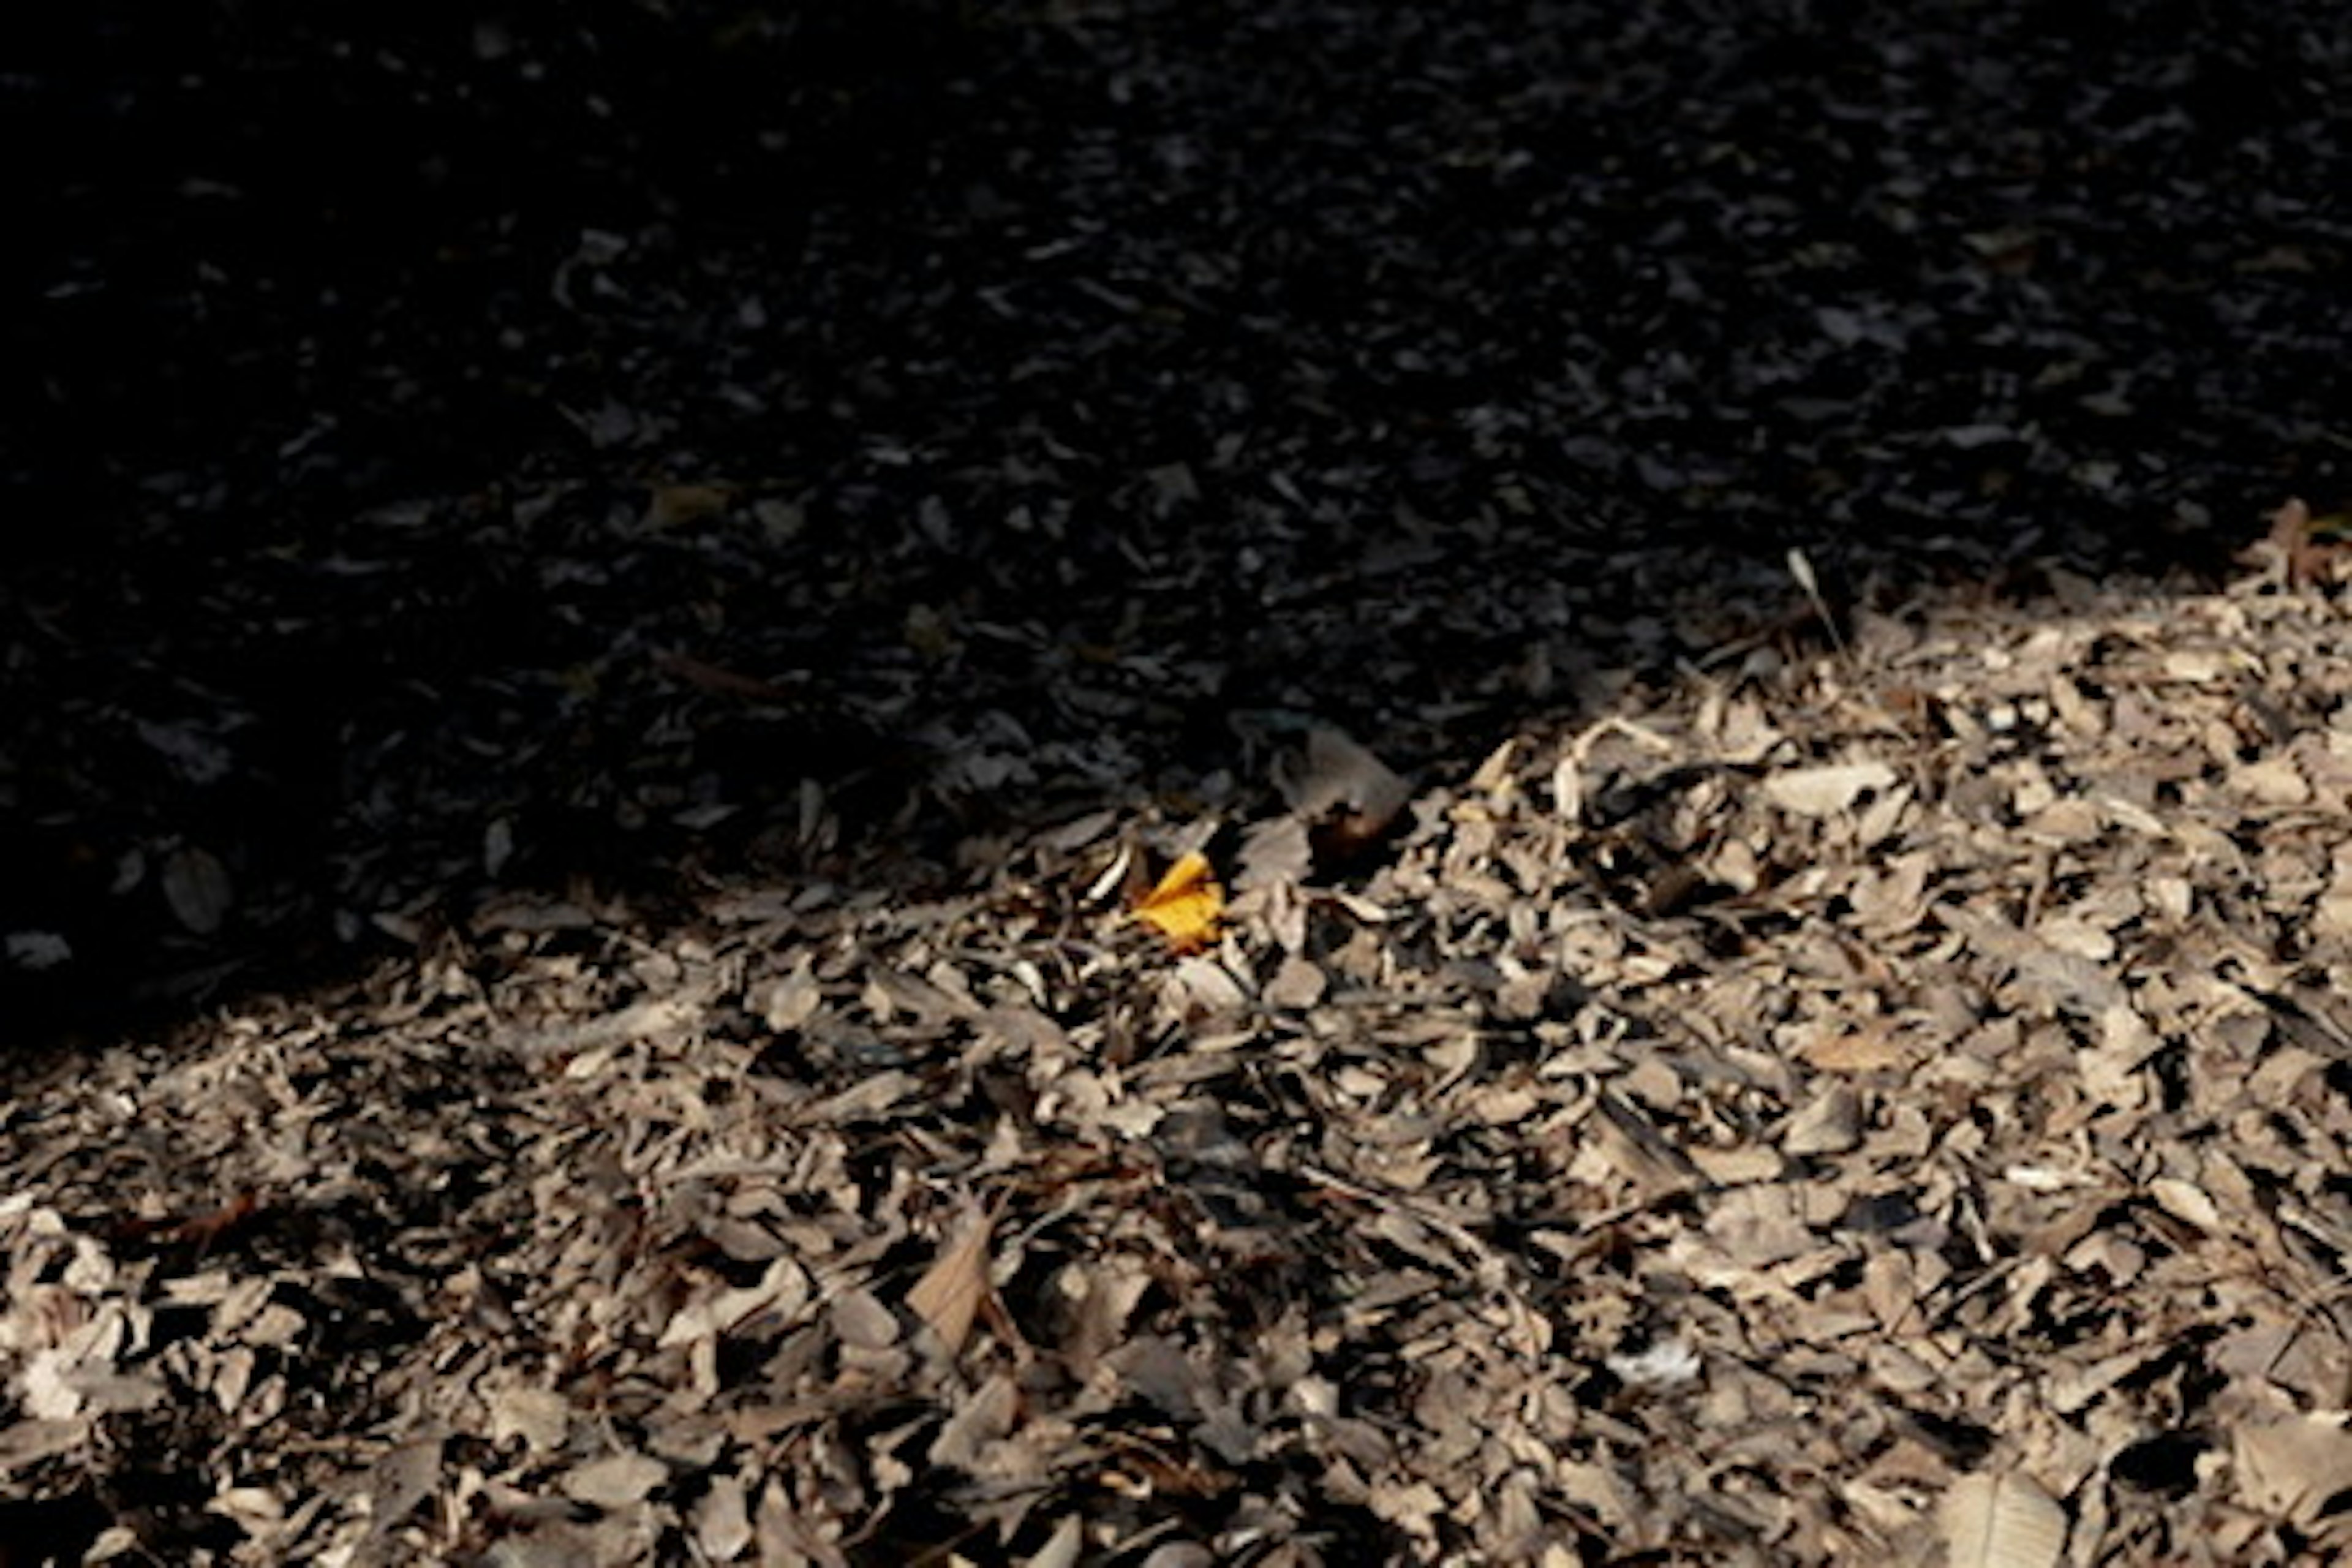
(1889, 1108)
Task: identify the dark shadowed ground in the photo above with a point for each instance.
(613, 444)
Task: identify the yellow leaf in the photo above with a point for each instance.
(1186, 904)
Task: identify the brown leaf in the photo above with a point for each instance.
(2289, 536)
(669, 506)
(716, 679)
(949, 1295)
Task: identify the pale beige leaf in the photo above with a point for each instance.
(2189, 1201)
(1830, 1124)
(616, 1480)
(1275, 851)
(1869, 1045)
(1062, 1548)
(863, 1322)
(1493, 773)
(1801, 567)
(1826, 791)
(1567, 787)
(2291, 1468)
(782, 1288)
(723, 1520)
(540, 1416)
(1297, 985)
(2197, 665)
(983, 1418)
(2273, 781)
(2003, 1521)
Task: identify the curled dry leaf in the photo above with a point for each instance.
(2304, 548)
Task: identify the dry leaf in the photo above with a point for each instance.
(2306, 547)
(196, 885)
(723, 1520)
(1870, 1046)
(1567, 787)
(669, 506)
(2000, 1521)
(616, 1480)
(984, 1417)
(1275, 852)
(1826, 791)
(540, 1416)
(1348, 797)
(2273, 781)
(717, 678)
(1830, 1123)
(1062, 1548)
(949, 1295)
(2293, 1467)
(400, 1480)
(1184, 908)
(1297, 985)
(2188, 1202)
(781, 1292)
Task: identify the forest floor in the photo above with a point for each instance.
(599, 682)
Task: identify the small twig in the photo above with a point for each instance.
(1801, 567)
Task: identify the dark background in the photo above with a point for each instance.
(454, 451)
